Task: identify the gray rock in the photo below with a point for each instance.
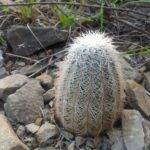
(47, 114)
(30, 142)
(8, 138)
(147, 65)
(21, 131)
(72, 146)
(46, 148)
(146, 129)
(26, 105)
(138, 98)
(90, 143)
(147, 81)
(3, 72)
(32, 128)
(79, 141)
(128, 71)
(49, 95)
(116, 138)
(28, 69)
(10, 84)
(24, 43)
(46, 132)
(133, 134)
(1, 58)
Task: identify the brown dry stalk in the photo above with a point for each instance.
(74, 4)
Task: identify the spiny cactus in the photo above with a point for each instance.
(89, 90)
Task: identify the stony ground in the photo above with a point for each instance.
(27, 122)
(28, 69)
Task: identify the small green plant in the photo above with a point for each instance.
(2, 41)
(66, 18)
(101, 16)
(5, 10)
(26, 12)
(144, 51)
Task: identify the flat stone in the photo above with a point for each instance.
(26, 104)
(8, 138)
(46, 80)
(128, 71)
(72, 146)
(133, 134)
(38, 121)
(138, 98)
(3, 72)
(49, 95)
(21, 131)
(46, 148)
(146, 129)
(147, 81)
(10, 84)
(32, 128)
(47, 114)
(1, 58)
(46, 132)
(24, 43)
(116, 138)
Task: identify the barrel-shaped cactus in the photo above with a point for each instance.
(89, 89)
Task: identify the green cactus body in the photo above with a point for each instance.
(89, 89)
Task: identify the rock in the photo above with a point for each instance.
(49, 95)
(10, 84)
(139, 77)
(20, 63)
(8, 138)
(26, 105)
(106, 143)
(116, 138)
(138, 98)
(46, 80)
(90, 143)
(1, 58)
(128, 71)
(46, 132)
(67, 135)
(146, 129)
(32, 128)
(3, 72)
(46, 148)
(147, 81)
(21, 131)
(30, 142)
(71, 146)
(147, 65)
(30, 69)
(133, 134)
(51, 104)
(46, 114)
(38, 121)
(24, 43)
(79, 141)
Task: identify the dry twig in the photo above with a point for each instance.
(22, 57)
(74, 4)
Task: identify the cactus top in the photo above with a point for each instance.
(89, 90)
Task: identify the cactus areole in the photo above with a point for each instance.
(89, 89)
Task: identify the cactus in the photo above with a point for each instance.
(89, 89)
